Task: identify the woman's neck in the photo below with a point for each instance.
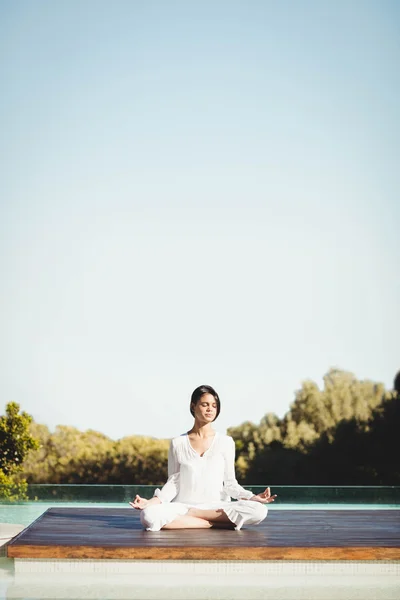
(202, 431)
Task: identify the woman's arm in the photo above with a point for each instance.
(171, 488)
(231, 486)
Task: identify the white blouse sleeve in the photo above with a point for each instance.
(231, 486)
(171, 487)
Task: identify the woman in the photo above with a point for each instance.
(201, 479)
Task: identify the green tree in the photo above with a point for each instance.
(299, 448)
(72, 456)
(359, 452)
(16, 442)
(396, 384)
(316, 411)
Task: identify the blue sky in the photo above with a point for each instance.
(195, 192)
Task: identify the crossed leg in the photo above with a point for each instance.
(197, 518)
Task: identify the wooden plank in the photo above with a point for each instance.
(285, 534)
(299, 528)
(203, 553)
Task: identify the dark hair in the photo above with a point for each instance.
(199, 392)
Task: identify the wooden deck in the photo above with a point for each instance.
(116, 533)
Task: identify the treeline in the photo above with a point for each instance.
(72, 456)
(343, 434)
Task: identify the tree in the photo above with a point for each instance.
(396, 384)
(322, 428)
(72, 456)
(16, 442)
(359, 452)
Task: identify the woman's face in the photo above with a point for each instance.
(206, 409)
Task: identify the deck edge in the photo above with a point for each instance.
(203, 553)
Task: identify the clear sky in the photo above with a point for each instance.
(195, 192)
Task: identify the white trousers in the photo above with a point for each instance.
(242, 512)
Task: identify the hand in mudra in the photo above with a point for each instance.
(264, 497)
(139, 503)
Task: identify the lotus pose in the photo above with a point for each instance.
(201, 479)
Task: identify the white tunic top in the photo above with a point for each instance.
(195, 479)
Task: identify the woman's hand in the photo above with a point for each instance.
(265, 497)
(139, 503)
